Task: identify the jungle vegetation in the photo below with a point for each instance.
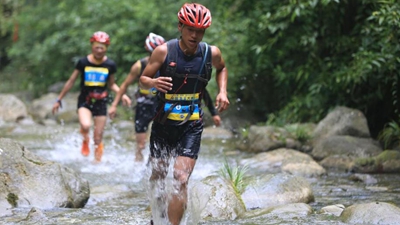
(289, 61)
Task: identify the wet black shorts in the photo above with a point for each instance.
(144, 114)
(98, 107)
(169, 140)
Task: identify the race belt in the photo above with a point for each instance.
(180, 112)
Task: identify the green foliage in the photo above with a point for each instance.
(390, 135)
(12, 199)
(300, 132)
(235, 176)
(54, 34)
(298, 59)
(288, 61)
(244, 132)
(8, 28)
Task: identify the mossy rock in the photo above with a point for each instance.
(386, 162)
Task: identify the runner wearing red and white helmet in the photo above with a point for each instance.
(146, 99)
(152, 41)
(185, 68)
(96, 71)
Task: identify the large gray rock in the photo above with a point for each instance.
(12, 108)
(342, 121)
(266, 138)
(215, 198)
(284, 160)
(27, 180)
(372, 213)
(41, 108)
(276, 189)
(386, 162)
(351, 147)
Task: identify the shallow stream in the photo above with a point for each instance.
(119, 184)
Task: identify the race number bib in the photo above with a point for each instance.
(96, 76)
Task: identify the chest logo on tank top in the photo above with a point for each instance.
(96, 76)
(188, 69)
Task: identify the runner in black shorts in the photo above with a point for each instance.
(146, 100)
(97, 76)
(144, 113)
(98, 107)
(185, 67)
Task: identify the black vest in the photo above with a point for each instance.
(190, 75)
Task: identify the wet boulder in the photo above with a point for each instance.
(27, 180)
(283, 212)
(214, 197)
(372, 213)
(276, 189)
(335, 210)
(386, 162)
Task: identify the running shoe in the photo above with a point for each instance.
(85, 148)
(98, 153)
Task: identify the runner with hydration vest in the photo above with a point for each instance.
(145, 98)
(185, 66)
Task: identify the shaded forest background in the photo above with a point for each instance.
(289, 61)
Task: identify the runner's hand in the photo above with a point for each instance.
(112, 112)
(217, 120)
(126, 101)
(221, 102)
(55, 107)
(163, 84)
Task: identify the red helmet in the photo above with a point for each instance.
(154, 40)
(101, 37)
(195, 15)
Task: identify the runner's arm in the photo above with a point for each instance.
(207, 99)
(221, 102)
(67, 86)
(114, 87)
(147, 80)
(133, 74)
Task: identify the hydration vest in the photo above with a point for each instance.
(182, 103)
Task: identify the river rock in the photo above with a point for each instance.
(285, 160)
(386, 162)
(276, 189)
(41, 108)
(266, 138)
(36, 215)
(342, 121)
(352, 147)
(12, 108)
(336, 209)
(214, 197)
(27, 180)
(381, 213)
(212, 132)
(283, 212)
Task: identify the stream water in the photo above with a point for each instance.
(119, 184)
